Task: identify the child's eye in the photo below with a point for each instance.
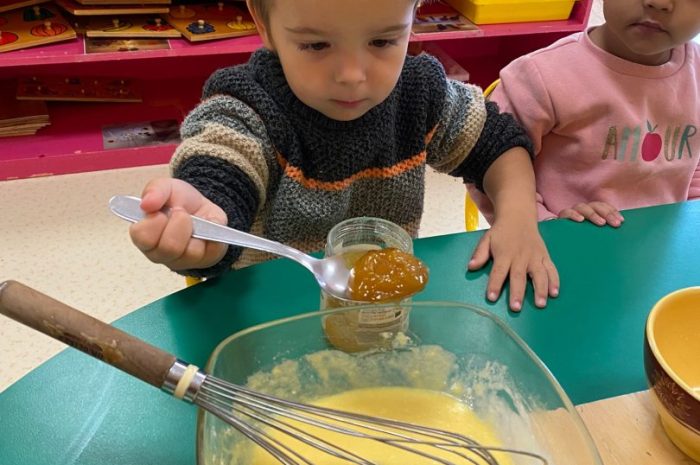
(315, 46)
(381, 43)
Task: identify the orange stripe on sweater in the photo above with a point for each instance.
(296, 174)
(370, 173)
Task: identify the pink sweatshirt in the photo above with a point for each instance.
(604, 128)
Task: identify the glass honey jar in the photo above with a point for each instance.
(373, 325)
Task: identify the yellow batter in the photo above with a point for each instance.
(417, 406)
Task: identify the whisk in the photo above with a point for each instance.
(256, 415)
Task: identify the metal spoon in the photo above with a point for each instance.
(331, 273)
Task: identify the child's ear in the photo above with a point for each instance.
(261, 26)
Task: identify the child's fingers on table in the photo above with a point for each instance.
(610, 214)
(613, 220)
(540, 283)
(571, 214)
(481, 254)
(552, 277)
(517, 284)
(499, 273)
(590, 213)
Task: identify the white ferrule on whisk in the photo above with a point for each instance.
(183, 380)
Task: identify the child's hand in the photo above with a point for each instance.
(167, 239)
(518, 251)
(599, 213)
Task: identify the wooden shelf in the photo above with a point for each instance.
(73, 141)
(73, 51)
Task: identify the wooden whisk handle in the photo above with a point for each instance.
(85, 333)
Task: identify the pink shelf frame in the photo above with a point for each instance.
(73, 142)
(84, 161)
(73, 51)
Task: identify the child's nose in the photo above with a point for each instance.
(350, 69)
(665, 5)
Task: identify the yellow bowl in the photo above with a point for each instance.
(672, 365)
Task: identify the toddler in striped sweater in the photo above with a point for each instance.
(331, 120)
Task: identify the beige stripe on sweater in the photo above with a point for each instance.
(466, 137)
(240, 150)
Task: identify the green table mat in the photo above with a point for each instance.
(75, 410)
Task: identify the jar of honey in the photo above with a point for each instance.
(373, 326)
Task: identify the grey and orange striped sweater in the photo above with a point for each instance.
(280, 169)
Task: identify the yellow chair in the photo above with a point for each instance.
(471, 211)
(490, 88)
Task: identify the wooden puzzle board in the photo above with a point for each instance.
(7, 5)
(199, 22)
(82, 89)
(122, 45)
(141, 26)
(77, 9)
(32, 26)
(440, 17)
(19, 118)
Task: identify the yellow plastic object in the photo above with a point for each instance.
(191, 281)
(491, 88)
(513, 11)
(471, 214)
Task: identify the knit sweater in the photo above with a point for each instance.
(283, 170)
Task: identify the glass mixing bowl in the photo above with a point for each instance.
(450, 347)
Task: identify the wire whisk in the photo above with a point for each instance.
(262, 418)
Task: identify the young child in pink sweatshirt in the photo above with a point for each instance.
(613, 112)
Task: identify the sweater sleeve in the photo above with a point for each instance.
(227, 155)
(471, 134)
(458, 126)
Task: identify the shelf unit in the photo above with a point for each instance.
(172, 81)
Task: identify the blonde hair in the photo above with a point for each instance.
(262, 8)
